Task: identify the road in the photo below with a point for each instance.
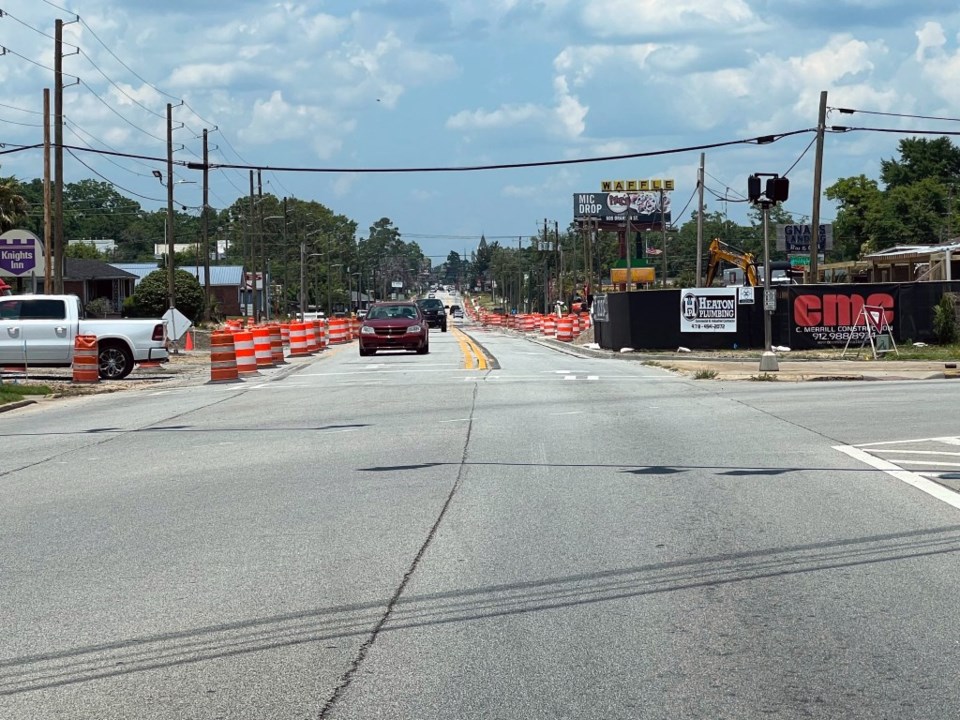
(551, 536)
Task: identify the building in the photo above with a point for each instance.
(226, 283)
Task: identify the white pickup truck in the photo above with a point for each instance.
(39, 330)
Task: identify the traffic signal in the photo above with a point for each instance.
(778, 189)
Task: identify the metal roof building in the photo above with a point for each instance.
(220, 275)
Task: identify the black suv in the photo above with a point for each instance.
(434, 311)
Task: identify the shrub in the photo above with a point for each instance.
(97, 308)
(150, 298)
(945, 320)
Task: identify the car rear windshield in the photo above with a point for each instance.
(430, 303)
(386, 312)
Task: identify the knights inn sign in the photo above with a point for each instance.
(21, 254)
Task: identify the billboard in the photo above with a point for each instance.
(832, 315)
(21, 254)
(795, 239)
(708, 310)
(644, 207)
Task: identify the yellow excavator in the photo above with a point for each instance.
(720, 251)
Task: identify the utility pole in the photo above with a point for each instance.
(251, 254)
(47, 215)
(171, 284)
(817, 180)
(286, 263)
(546, 269)
(58, 158)
(206, 230)
(556, 237)
(263, 304)
(663, 229)
(628, 251)
(700, 174)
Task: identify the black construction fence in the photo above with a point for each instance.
(806, 316)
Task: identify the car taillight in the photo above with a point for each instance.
(158, 333)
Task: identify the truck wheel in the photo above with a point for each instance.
(115, 360)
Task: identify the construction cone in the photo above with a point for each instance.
(189, 345)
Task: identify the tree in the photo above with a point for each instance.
(13, 206)
(150, 298)
(922, 159)
(82, 251)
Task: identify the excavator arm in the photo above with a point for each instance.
(721, 252)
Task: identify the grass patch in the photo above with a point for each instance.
(764, 377)
(15, 393)
(704, 374)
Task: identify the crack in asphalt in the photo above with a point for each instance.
(361, 655)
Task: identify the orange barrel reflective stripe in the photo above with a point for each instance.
(565, 328)
(223, 358)
(245, 354)
(549, 325)
(276, 344)
(584, 322)
(285, 334)
(529, 323)
(318, 334)
(298, 339)
(261, 347)
(86, 369)
(310, 332)
(575, 321)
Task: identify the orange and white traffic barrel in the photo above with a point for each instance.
(85, 366)
(565, 328)
(223, 358)
(313, 342)
(276, 345)
(338, 331)
(548, 326)
(285, 334)
(244, 350)
(298, 340)
(323, 338)
(262, 347)
(575, 321)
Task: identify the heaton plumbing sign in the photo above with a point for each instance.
(643, 207)
(21, 254)
(712, 310)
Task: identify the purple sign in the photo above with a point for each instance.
(20, 253)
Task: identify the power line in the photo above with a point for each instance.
(850, 111)
(20, 109)
(62, 9)
(763, 140)
(120, 89)
(108, 180)
(74, 127)
(14, 122)
(33, 62)
(108, 159)
(4, 13)
(121, 116)
(805, 151)
(844, 129)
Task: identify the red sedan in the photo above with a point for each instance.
(394, 326)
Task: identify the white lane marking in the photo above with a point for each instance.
(924, 462)
(569, 377)
(918, 452)
(948, 440)
(572, 412)
(593, 377)
(559, 372)
(457, 420)
(910, 478)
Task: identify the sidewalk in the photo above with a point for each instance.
(748, 367)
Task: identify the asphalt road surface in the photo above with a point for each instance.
(405, 537)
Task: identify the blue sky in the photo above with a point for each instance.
(414, 83)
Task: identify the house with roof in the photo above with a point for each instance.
(93, 279)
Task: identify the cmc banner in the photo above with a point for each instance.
(708, 310)
(830, 315)
(21, 254)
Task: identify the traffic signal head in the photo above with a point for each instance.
(778, 188)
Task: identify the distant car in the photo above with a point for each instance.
(431, 294)
(313, 315)
(394, 326)
(434, 312)
(456, 311)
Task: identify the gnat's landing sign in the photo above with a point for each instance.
(644, 207)
(708, 310)
(21, 254)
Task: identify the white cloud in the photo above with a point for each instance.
(632, 17)
(504, 117)
(930, 37)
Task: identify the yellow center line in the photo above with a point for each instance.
(473, 357)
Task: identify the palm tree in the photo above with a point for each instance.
(13, 206)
